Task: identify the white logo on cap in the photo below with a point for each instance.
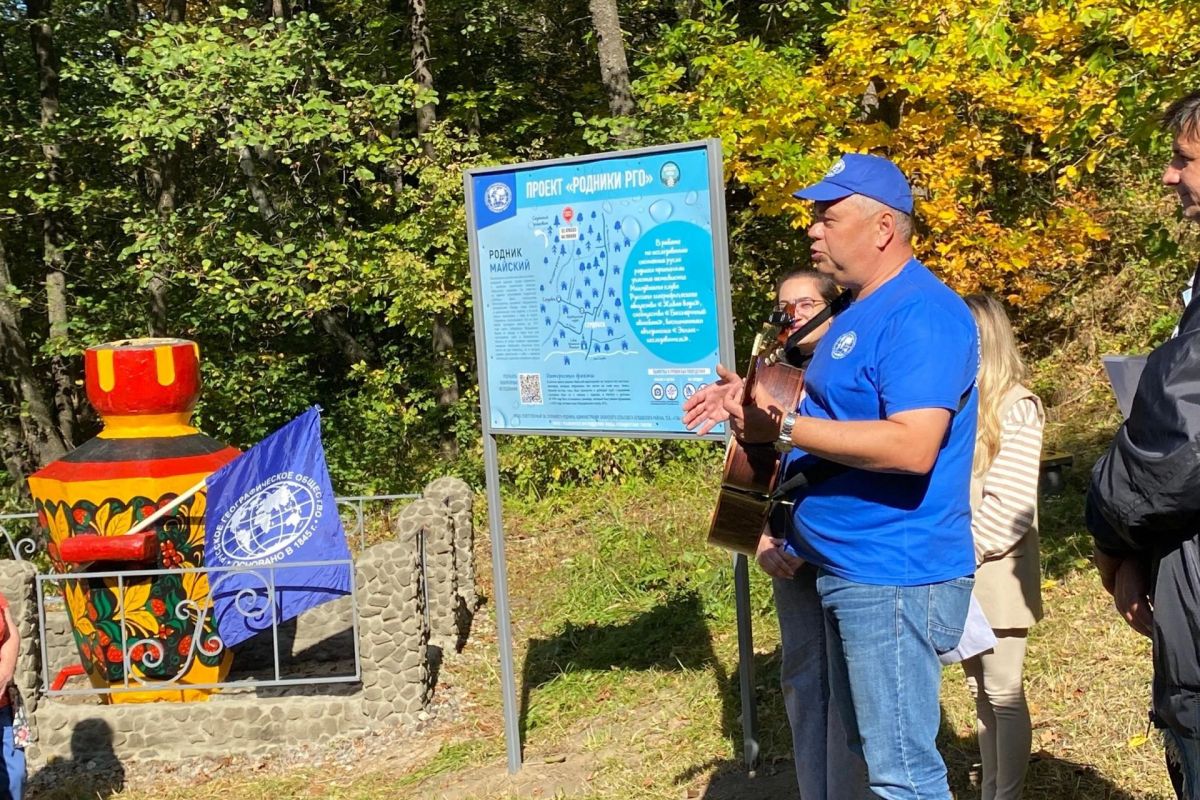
(837, 168)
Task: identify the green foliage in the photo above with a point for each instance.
(312, 248)
(535, 464)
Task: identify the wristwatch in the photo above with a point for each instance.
(784, 442)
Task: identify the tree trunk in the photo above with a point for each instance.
(258, 192)
(10, 454)
(46, 58)
(352, 351)
(163, 178)
(419, 51)
(443, 346)
(41, 435)
(614, 68)
(350, 347)
(443, 336)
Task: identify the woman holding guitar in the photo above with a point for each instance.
(826, 768)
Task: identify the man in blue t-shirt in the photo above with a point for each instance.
(889, 417)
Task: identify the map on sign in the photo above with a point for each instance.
(596, 288)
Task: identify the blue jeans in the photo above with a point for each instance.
(884, 674)
(12, 782)
(826, 767)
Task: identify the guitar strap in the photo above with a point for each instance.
(839, 304)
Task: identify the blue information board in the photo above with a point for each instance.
(601, 289)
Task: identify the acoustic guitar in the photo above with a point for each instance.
(751, 470)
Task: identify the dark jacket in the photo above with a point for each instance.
(1144, 501)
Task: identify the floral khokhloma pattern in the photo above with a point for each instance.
(155, 619)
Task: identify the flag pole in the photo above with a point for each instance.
(165, 510)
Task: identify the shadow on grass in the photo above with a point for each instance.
(92, 771)
(1048, 777)
(672, 636)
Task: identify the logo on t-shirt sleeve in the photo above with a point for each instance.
(844, 344)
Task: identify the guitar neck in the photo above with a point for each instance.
(752, 371)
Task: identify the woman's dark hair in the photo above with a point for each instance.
(825, 285)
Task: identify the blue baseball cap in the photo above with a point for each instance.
(859, 173)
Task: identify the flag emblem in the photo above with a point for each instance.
(269, 509)
(276, 516)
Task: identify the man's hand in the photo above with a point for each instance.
(1107, 566)
(774, 560)
(1132, 596)
(706, 408)
(759, 421)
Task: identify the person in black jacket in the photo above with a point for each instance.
(1143, 505)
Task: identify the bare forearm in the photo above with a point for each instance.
(9, 649)
(8, 658)
(883, 445)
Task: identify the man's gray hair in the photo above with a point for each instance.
(1182, 118)
(904, 221)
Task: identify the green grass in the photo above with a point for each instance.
(627, 671)
(450, 758)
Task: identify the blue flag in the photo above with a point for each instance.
(270, 507)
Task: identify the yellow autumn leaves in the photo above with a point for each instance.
(1002, 114)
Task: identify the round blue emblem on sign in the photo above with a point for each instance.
(497, 197)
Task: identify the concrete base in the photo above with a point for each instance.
(233, 723)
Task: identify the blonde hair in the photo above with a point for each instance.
(1000, 369)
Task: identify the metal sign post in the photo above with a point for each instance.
(600, 287)
(508, 681)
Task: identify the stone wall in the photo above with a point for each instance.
(61, 650)
(321, 634)
(229, 723)
(400, 615)
(395, 682)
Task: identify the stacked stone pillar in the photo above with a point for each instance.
(427, 523)
(393, 638)
(457, 497)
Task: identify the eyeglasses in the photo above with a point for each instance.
(804, 305)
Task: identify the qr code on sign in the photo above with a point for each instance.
(530, 385)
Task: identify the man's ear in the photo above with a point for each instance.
(885, 228)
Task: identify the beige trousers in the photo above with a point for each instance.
(1002, 715)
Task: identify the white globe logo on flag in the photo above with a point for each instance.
(279, 513)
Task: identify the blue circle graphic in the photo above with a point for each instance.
(670, 292)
